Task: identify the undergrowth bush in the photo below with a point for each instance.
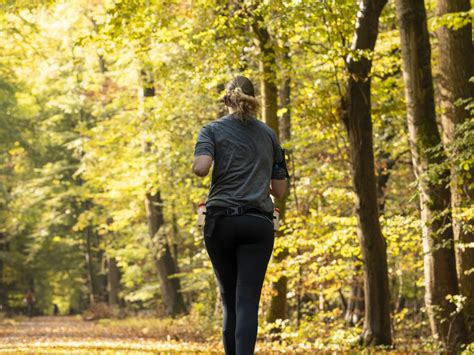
(100, 310)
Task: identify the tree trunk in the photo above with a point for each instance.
(102, 273)
(165, 265)
(96, 280)
(356, 115)
(268, 86)
(385, 165)
(91, 280)
(355, 304)
(285, 96)
(3, 284)
(113, 282)
(269, 92)
(438, 248)
(456, 66)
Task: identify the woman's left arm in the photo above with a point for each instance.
(278, 188)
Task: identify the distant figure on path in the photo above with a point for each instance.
(55, 309)
(249, 165)
(30, 302)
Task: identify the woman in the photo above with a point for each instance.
(249, 165)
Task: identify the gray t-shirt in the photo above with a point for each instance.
(246, 156)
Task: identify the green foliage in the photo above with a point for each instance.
(454, 20)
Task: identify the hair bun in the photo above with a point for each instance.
(240, 96)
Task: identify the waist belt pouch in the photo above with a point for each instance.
(209, 224)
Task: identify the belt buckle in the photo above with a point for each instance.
(234, 211)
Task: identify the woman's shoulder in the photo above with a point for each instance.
(210, 125)
(264, 127)
(228, 123)
(218, 121)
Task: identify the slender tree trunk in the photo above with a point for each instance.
(299, 291)
(174, 242)
(384, 169)
(91, 282)
(354, 311)
(268, 83)
(285, 96)
(165, 264)
(102, 273)
(400, 304)
(456, 66)
(269, 92)
(113, 282)
(96, 281)
(356, 115)
(438, 248)
(355, 304)
(3, 284)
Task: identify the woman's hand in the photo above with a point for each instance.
(201, 165)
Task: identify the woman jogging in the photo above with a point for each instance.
(249, 165)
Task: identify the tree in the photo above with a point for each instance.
(164, 261)
(356, 116)
(456, 67)
(269, 92)
(439, 261)
(165, 264)
(268, 71)
(113, 282)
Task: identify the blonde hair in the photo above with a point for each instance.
(240, 95)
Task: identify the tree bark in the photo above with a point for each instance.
(456, 66)
(268, 70)
(384, 169)
(3, 284)
(355, 304)
(96, 280)
(356, 115)
(285, 96)
(91, 274)
(113, 282)
(269, 92)
(165, 264)
(438, 248)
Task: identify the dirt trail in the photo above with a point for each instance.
(71, 335)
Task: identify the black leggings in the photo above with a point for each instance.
(239, 248)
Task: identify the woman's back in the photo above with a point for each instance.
(244, 152)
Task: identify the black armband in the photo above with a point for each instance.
(282, 165)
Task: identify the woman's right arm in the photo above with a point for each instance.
(201, 165)
(204, 151)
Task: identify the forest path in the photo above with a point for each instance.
(72, 335)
